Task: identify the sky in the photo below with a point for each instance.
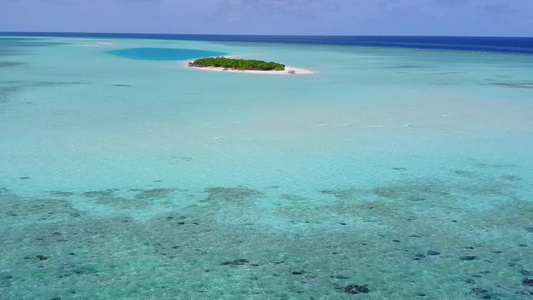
(291, 17)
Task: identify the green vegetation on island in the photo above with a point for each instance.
(237, 64)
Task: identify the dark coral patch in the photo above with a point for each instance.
(153, 194)
(298, 272)
(468, 257)
(237, 262)
(481, 293)
(99, 194)
(236, 195)
(356, 289)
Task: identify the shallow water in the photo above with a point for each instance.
(405, 171)
(164, 53)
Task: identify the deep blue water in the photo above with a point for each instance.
(164, 53)
(485, 44)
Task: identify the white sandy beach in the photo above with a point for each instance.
(288, 70)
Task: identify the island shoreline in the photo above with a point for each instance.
(288, 70)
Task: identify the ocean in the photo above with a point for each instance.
(401, 169)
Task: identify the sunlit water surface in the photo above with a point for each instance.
(390, 174)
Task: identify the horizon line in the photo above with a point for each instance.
(276, 35)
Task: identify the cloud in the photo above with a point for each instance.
(260, 8)
(75, 2)
(60, 2)
(274, 16)
(140, 1)
(452, 3)
(496, 10)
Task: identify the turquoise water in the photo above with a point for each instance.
(164, 53)
(406, 171)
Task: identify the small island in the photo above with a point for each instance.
(237, 64)
(248, 66)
